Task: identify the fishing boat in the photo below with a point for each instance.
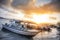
(19, 29)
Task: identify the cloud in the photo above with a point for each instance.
(56, 4)
(2, 1)
(28, 5)
(20, 2)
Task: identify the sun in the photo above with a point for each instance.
(40, 18)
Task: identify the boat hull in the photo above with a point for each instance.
(21, 32)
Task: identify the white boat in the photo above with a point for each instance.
(28, 32)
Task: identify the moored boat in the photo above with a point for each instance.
(20, 29)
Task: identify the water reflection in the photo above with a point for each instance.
(52, 35)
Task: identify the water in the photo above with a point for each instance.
(53, 35)
(7, 35)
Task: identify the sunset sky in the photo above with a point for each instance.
(20, 9)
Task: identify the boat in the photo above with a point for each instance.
(28, 32)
